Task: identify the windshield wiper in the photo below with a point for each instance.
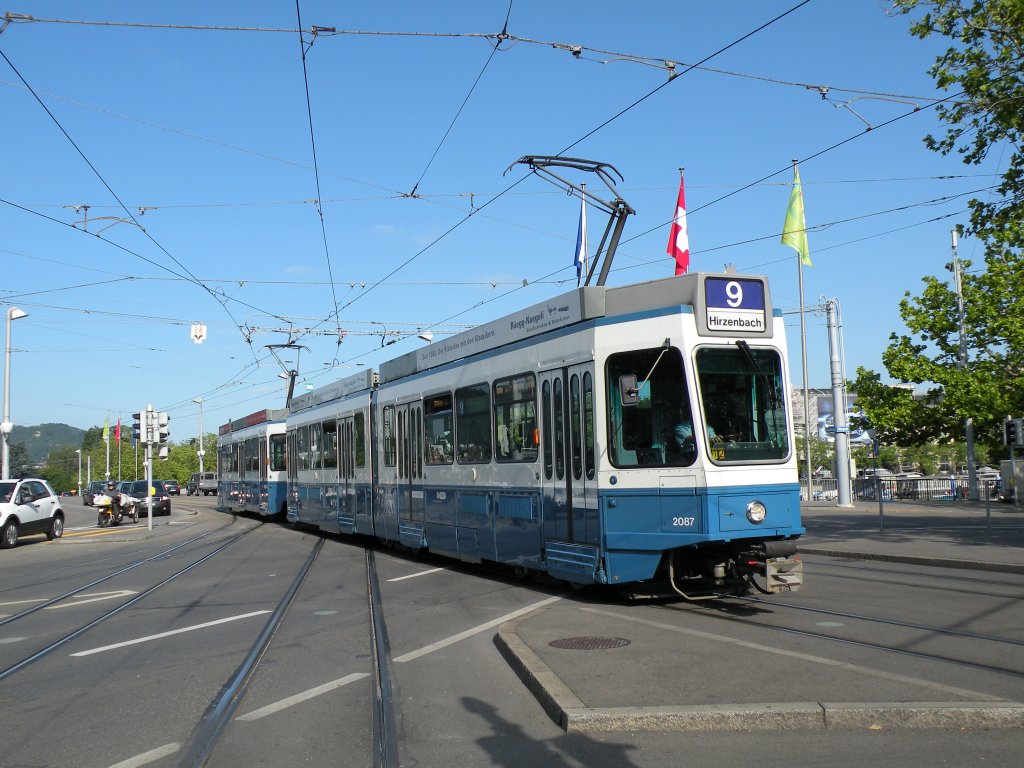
(766, 380)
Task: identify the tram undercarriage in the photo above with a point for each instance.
(704, 573)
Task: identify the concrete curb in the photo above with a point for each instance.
(932, 562)
(566, 709)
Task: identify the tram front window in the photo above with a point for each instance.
(650, 423)
(744, 401)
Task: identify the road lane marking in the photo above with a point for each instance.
(298, 698)
(149, 757)
(474, 631)
(146, 639)
(93, 597)
(327, 687)
(414, 575)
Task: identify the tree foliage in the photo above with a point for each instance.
(986, 63)
(983, 69)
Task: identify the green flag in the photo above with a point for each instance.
(106, 429)
(794, 231)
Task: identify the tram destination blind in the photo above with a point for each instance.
(735, 305)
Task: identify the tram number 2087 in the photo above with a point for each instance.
(683, 522)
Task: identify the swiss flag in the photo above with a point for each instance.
(678, 239)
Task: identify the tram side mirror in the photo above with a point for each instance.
(627, 389)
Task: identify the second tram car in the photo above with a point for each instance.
(609, 435)
(251, 464)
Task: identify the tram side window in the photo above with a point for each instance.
(303, 445)
(360, 445)
(388, 428)
(546, 405)
(225, 460)
(278, 453)
(437, 429)
(473, 424)
(577, 427)
(515, 419)
(330, 432)
(650, 422)
(251, 466)
(588, 424)
(315, 446)
(291, 460)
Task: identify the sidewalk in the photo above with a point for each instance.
(598, 665)
(946, 534)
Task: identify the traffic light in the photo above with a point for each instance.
(163, 432)
(1013, 432)
(138, 424)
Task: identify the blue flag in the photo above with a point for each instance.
(581, 258)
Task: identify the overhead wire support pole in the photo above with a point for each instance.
(618, 208)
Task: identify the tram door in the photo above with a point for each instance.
(410, 466)
(569, 479)
(258, 504)
(346, 475)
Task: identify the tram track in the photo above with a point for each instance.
(881, 620)
(68, 637)
(178, 548)
(385, 721)
(870, 567)
(203, 739)
(866, 644)
(74, 571)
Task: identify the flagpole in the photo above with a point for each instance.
(803, 355)
(586, 255)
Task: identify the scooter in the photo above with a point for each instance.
(110, 513)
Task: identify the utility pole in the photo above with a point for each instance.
(972, 471)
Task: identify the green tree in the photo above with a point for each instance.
(985, 64)
(983, 70)
(92, 439)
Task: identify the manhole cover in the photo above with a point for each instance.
(589, 643)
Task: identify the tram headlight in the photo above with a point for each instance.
(756, 512)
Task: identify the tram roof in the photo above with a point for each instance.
(259, 417)
(576, 306)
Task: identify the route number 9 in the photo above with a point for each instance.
(734, 294)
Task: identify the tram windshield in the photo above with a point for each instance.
(744, 403)
(650, 421)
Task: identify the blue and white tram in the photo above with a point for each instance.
(329, 463)
(609, 435)
(251, 463)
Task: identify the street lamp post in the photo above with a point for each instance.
(79, 452)
(972, 471)
(201, 451)
(13, 313)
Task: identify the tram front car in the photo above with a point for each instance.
(699, 481)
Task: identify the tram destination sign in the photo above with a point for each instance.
(735, 306)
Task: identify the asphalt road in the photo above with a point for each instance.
(94, 700)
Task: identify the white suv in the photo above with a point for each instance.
(28, 506)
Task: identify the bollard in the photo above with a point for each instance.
(881, 520)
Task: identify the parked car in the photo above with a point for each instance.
(205, 483)
(28, 506)
(95, 487)
(137, 490)
(173, 488)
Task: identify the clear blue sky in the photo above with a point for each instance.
(208, 132)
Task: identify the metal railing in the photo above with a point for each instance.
(905, 489)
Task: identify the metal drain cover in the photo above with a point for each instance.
(589, 643)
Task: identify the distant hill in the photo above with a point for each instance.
(43, 438)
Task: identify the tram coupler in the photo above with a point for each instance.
(777, 563)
